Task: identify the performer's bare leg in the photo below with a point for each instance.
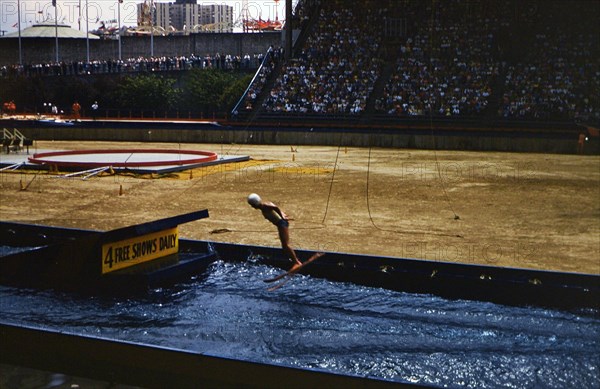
(284, 237)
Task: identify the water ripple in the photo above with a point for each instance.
(337, 327)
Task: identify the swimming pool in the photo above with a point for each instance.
(338, 327)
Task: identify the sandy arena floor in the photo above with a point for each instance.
(537, 211)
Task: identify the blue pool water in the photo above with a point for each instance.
(337, 327)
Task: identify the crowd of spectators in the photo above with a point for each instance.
(138, 64)
(546, 91)
(505, 58)
(494, 58)
(560, 80)
(445, 68)
(271, 60)
(338, 67)
(547, 68)
(436, 87)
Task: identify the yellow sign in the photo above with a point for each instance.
(129, 252)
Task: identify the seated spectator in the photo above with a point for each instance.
(338, 66)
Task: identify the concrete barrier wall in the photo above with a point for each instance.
(477, 141)
(42, 50)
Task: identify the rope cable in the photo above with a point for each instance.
(368, 197)
(372, 220)
(331, 183)
(437, 163)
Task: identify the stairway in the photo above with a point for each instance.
(389, 53)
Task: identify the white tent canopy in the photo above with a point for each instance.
(47, 29)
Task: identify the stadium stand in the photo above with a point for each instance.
(506, 59)
(338, 67)
(468, 59)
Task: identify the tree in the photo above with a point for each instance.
(212, 90)
(204, 91)
(147, 93)
(234, 91)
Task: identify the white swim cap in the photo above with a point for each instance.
(254, 199)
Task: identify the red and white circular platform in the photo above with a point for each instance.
(154, 160)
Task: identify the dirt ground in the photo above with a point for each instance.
(538, 211)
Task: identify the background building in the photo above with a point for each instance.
(185, 16)
(216, 18)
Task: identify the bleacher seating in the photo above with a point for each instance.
(473, 59)
(338, 66)
(478, 58)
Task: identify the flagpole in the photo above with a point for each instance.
(19, 23)
(56, 27)
(152, 28)
(87, 31)
(119, 25)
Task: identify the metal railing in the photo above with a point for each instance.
(266, 58)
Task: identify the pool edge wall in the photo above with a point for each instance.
(509, 286)
(155, 367)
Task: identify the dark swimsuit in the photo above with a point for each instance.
(282, 223)
(275, 218)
